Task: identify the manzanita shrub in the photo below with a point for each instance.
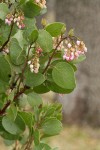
(32, 62)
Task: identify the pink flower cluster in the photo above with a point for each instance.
(9, 19)
(41, 3)
(19, 21)
(73, 51)
(17, 18)
(34, 63)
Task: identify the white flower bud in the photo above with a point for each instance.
(85, 49)
(17, 23)
(31, 66)
(18, 19)
(78, 42)
(69, 45)
(29, 62)
(32, 70)
(15, 19)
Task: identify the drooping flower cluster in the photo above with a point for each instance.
(18, 18)
(41, 3)
(74, 50)
(34, 62)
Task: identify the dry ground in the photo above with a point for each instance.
(76, 138)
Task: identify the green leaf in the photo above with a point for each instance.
(30, 9)
(3, 10)
(57, 89)
(79, 59)
(13, 127)
(36, 135)
(34, 35)
(45, 41)
(50, 111)
(29, 27)
(20, 38)
(17, 54)
(36, 114)
(12, 112)
(28, 118)
(23, 103)
(42, 146)
(9, 142)
(14, 68)
(3, 86)
(41, 89)
(4, 32)
(55, 28)
(52, 127)
(5, 69)
(34, 99)
(9, 136)
(63, 75)
(73, 66)
(33, 79)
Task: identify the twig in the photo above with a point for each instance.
(1, 49)
(54, 52)
(2, 111)
(28, 144)
(25, 65)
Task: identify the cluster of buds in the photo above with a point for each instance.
(18, 18)
(34, 63)
(74, 50)
(9, 19)
(41, 3)
(56, 41)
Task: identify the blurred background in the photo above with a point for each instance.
(81, 109)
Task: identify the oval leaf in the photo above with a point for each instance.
(33, 37)
(41, 89)
(63, 75)
(52, 126)
(45, 41)
(55, 88)
(13, 127)
(17, 54)
(28, 118)
(34, 99)
(30, 9)
(5, 69)
(3, 10)
(32, 79)
(55, 28)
